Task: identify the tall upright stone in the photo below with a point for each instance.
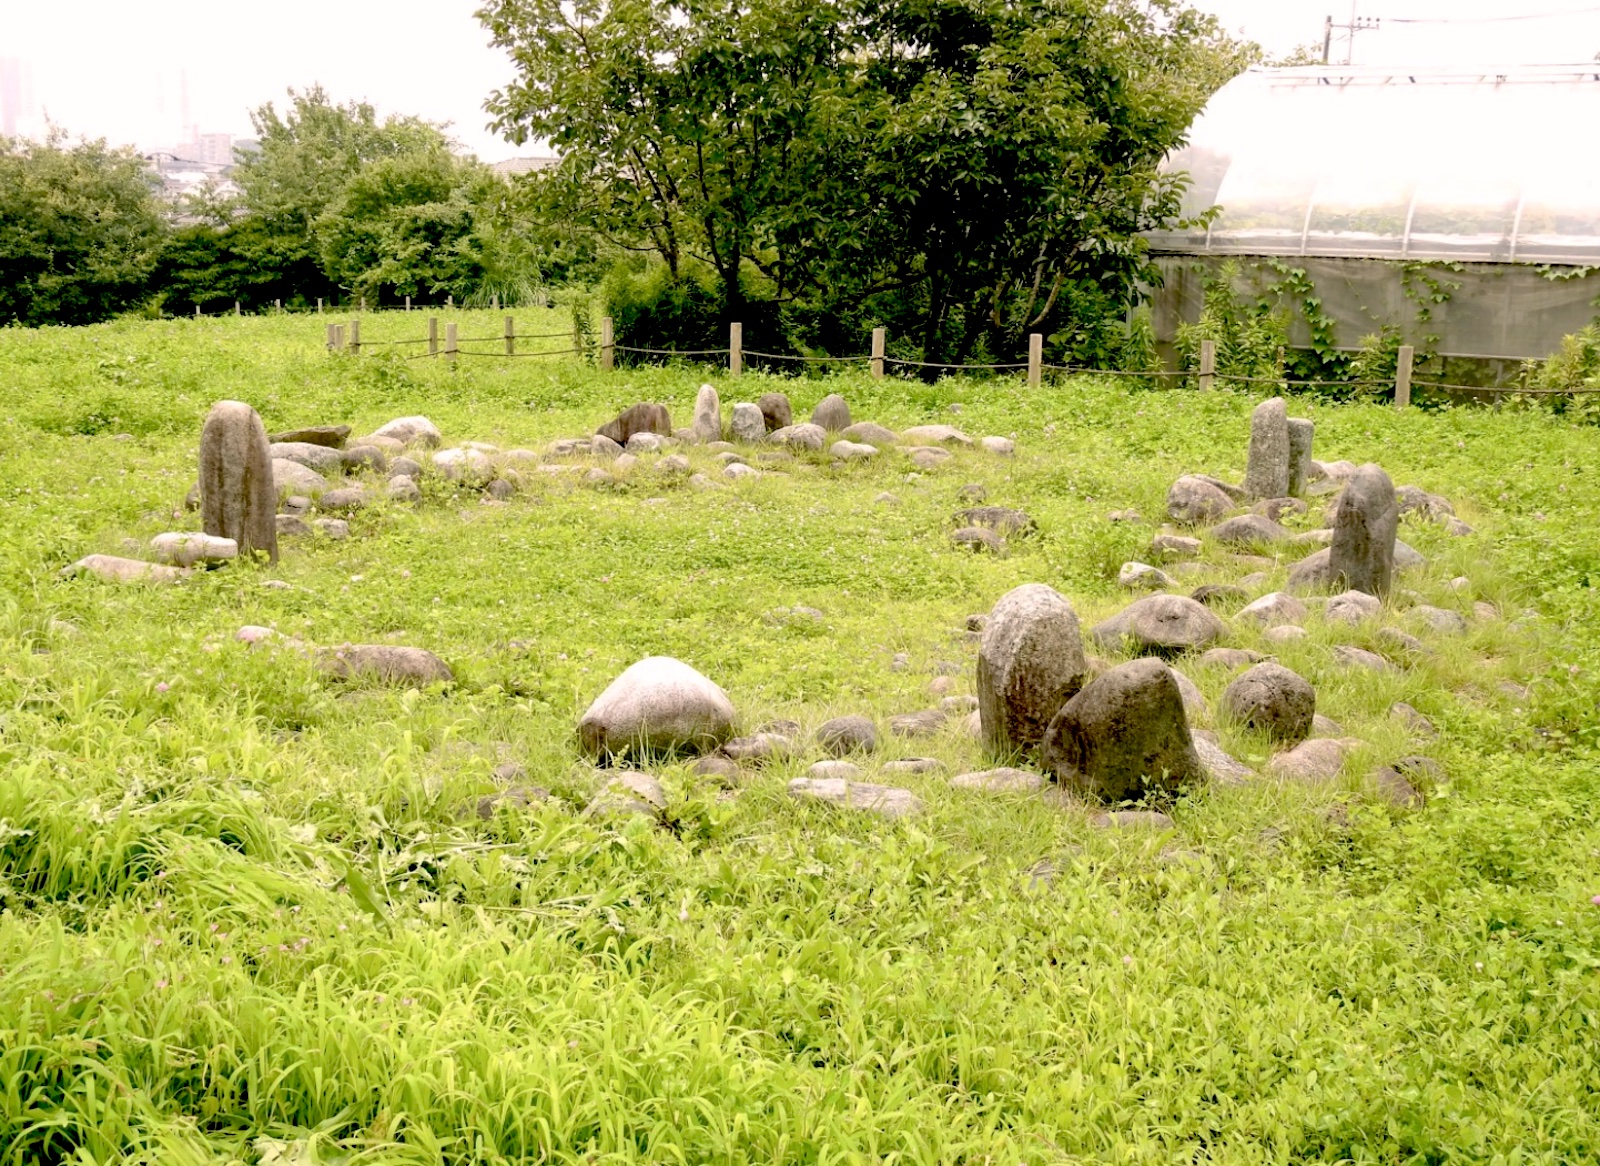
(238, 495)
(1267, 474)
(776, 411)
(1361, 555)
(1301, 431)
(1030, 663)
(707, 414)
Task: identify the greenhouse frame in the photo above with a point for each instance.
(1469, 196)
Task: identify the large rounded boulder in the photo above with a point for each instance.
(658, 706)
(1273, 699)
(1163, 624)
(1030, 663)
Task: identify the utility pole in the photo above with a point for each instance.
(1357, 24)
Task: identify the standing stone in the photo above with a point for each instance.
(1030, 663)
(708, 414)
(1301, 432)
(831, 413)
(748, 423)
(1124, 735)
(1362, 551)
(1267, 475)
(775, 410)
(238, 496)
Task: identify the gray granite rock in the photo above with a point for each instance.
(658, 705)
(707, 423)
(748, 424)
(831, 413)
(883, 800)
(1267, 473)
(1272, 699)
(1362, 554)
(1160, 623)
(387, 664)
(848, 734)
(1193, 500)
(1301, 434)
(1030, 663)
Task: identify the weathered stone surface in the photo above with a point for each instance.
(871, 433)
(1132, 820)
(1416, 500)
(1267, 473)
(720, 768)
(628, 794)
(647, 443)
(344, 501)
(292, 526)
(321, 458)
(1229, 658)
(1391, 787)
(642, 417)
(1142, 577)
(850, 734)
(1218, 594)
(1351, 607)
(1440, 619)
(516, 798)
(1224, 768)
(1030, 663)
(1284, 634)
(758, 747)
(1413, 720)
(1274, 700)
(500, 490)
(1351, 657)
(831, 413)
(927, 457)
(238, 484)
(186, 549)
(1174, 546)
(1274, 609)
(1236, 493)
(748, 424)
(411, 431)
(707, 414)
(1160, 623)
(1362, 554)
(673, 463)
(925, 723)
(852, 451)
(1310, 573)
(775, 409)
(1278, 508)
(977, 538)
(332, 436)
(658, 705)
(292, 478)
(1301, 433)
(997, 518)
(1005, 780)
(739, 471)
(934, 435)
(834, 770)
(1129, 515)
(1001, 446)
(1406, 556)
(1316, 760)
(403, 489)
(1193, 500)
(1194, 701)
(114, 569)
(1248, 530)
(1124, 735)
(386, 663)
(366, 457)
(884, 800)
(808, 436)
(914, 765)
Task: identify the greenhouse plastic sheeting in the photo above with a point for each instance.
(1387, 164)
(1491, 310)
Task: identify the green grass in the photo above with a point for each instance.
(245, 919)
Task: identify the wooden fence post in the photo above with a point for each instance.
(197, 311)
(338, 337)
(735, 349)
(608, 345)
(433, 335)
(450, 343)
(237, 310)
(355, 337)
(1208, 364)
(1402, 377)
(362, 306)
(511, 336)
(331, 336)
(408, 303)
(319, 305)
(495, 301)
(880, 339)
(277, 306)
(450, 303)
(1035, 359)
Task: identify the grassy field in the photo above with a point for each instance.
(249, 914)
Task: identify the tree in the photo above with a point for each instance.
(80, 231)
(975, 169)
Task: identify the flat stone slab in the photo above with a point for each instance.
(115, 569)
(1005, 780)
(886, 801)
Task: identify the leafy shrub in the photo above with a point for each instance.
(1575, 365)
(651, 309)
(1250, 338)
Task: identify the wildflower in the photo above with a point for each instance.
(1595, 900)
(1127, 961)
(163, 686)
(160, 984)
(1479, 965)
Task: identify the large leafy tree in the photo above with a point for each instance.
(80, 231)
(975, 169)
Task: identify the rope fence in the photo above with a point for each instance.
(347, 339)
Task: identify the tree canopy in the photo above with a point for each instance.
(970, 170)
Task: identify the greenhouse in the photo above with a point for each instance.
(1461, 207)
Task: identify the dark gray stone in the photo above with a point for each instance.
(1123, 736)
(1248, 530)
(1301, 434)
(1362, 553)
(776, 411)
(238, 492)
(843, 735)
(976, 538)
(387, 663)
(640, 418)
(1267, 473)
(1163, 624)
(332, 436)
(1194, 499)
(831, 413)
(1274, 700)
(996, 518)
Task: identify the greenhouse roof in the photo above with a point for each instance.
(1481, 165)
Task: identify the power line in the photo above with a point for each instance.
(1490, 19)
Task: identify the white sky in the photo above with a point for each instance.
(117, 68)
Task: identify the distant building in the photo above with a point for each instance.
(16, 97)
(513, 167)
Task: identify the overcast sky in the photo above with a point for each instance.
(120, 68)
